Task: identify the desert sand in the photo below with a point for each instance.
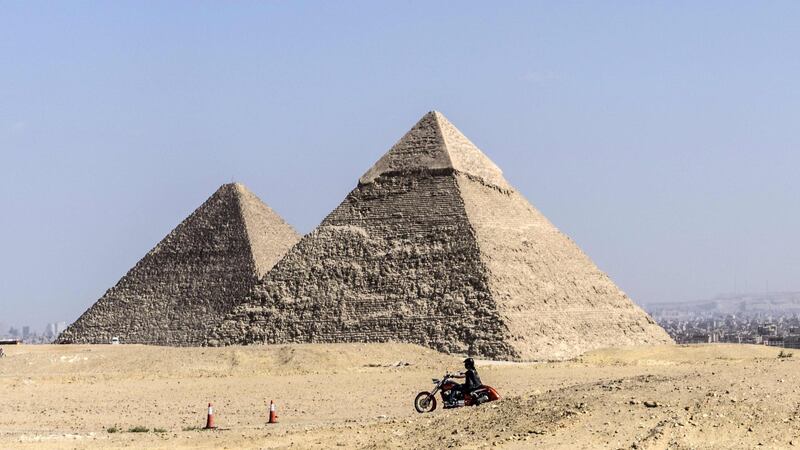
(361, 396)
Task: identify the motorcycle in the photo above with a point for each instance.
(451, 396)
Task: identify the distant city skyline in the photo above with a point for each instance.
(661, 137)
(31, 333)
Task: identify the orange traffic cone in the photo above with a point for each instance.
(210, 420)
(273, 416)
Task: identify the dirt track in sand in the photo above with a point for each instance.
(357, 396)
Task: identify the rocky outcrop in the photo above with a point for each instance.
(183, 287)
(435, 247)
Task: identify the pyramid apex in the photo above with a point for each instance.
(434, 143)
(232, 188)
(240, 187)
(233, 184)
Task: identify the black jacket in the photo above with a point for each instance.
(473, 381)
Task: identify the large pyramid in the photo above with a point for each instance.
(435, 247)
(203, 268)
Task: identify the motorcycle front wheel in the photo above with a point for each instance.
(424, 402)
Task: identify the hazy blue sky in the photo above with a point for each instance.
(663, 137)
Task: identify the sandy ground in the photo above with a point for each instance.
(361, 396)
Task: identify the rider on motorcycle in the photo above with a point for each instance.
(454, 395)
(473, 381)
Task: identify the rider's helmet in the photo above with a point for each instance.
(469, 363)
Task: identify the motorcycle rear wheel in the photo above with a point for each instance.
(424, 402)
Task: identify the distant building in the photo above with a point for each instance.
(792, 341)
(768, 329)
(699, 338)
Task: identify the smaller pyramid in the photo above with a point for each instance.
(189, 280)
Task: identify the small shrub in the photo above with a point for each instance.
(113, 429)
(159, 430)
(192, 428)
(138, 429)
(784, 354)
